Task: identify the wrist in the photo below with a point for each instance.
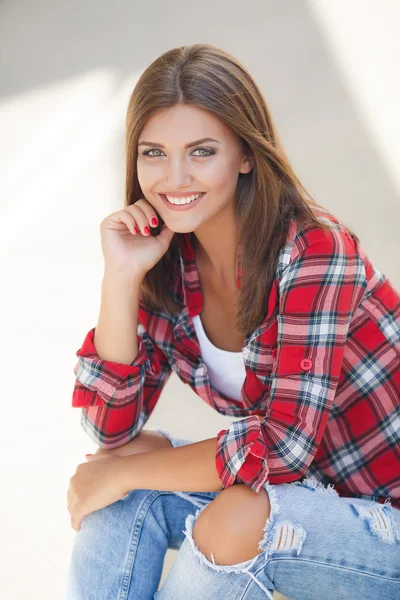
(122, 276)
(127, 472)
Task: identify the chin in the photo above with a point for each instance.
(179, 228)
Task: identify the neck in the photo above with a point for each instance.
(216, 245)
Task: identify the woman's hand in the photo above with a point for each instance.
(97, 483)
(127, 243)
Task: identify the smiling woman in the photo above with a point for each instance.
(223, 269)
(206, 129)
(187, 177)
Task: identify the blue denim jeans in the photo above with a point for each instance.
(315, 544)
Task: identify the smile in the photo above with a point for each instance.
(182, 203)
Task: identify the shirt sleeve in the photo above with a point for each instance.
(117, 399)
(318, 292)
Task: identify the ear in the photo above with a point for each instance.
(247, 165)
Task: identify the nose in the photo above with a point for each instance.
(178, 175)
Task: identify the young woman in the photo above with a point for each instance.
(222, 268)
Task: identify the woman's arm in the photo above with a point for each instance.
(189, 468)
(121, 370)
(115, 335)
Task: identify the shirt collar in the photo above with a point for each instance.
(191, 286)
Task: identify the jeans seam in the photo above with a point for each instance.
(298, 559)
(135, 536)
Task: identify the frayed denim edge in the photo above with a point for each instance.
(267, 544)
(275, 509)
(312, 483)
(239, 568)
(380, 521)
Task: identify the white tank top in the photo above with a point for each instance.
(225, 369)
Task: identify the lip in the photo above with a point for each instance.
(181, 194)
(180, 207)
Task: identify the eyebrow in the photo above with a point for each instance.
(190, 145)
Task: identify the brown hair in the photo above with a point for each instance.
(207, 77)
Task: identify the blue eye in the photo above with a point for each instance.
(207, 150)
(147, 152)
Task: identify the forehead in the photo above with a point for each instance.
(181, 124)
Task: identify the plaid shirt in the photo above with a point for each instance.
(322, 386)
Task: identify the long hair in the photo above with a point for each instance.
(207, 77)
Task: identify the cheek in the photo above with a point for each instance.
(219, 175)
(147, 171)
(143, 175)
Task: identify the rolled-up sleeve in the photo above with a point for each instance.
(319, 290)
(117, 399)
(102, 382)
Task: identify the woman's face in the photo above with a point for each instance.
(169, 163)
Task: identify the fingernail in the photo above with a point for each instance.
(136, 230)
(88, 454)
(146, 230)
(154, 221)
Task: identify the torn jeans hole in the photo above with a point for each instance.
(379, 520)
(285, 537)
(378, 516)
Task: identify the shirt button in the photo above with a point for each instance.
(306, 364)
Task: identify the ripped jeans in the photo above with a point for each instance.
(315, 544)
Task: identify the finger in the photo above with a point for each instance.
(166, 234)
(90, 457)
(119, 220)
(147, 211)
(140, 219)
(75, 524)
(129, 221)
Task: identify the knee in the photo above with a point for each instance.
(232, 526)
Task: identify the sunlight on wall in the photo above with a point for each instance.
(364, 41)
(48, 138)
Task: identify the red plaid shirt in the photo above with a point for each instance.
(322, 386)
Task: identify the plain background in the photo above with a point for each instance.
(328, 73)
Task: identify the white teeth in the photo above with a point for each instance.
(184, 200)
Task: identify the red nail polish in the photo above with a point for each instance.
(154, 221)
(136, 230)
(146, 230)
(88, 454)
